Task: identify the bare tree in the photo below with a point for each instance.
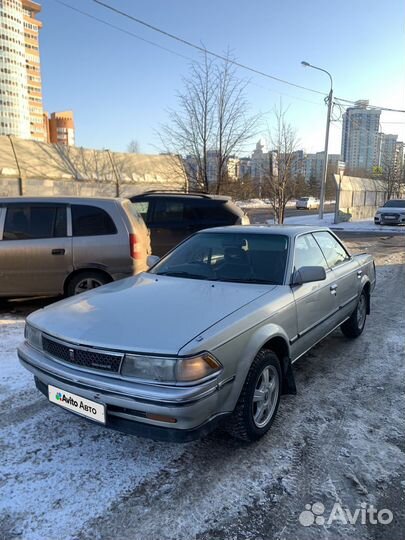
(211, 122)
(234, 127)
(279, 182)
(133, 147)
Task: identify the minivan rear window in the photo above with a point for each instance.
(24, 222)
(91, 221)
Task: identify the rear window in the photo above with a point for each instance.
(91, 221)
(24, 222)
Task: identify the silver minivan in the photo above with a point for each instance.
(66, 245)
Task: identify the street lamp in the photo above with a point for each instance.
(325, 161)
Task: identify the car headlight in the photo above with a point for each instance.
(33, 336)
(377, 214)
(170, 370)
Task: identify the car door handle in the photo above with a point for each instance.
(332, 289)
(359, 273)
(58, 252)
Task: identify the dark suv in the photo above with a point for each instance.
(171, 216)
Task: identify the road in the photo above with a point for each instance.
(339, 440)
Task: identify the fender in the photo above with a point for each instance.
(255, 343)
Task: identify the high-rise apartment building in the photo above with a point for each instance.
(32, 27)
(359, 136)
(21, 111)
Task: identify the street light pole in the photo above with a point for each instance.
(325, 161)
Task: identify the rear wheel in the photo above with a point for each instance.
(259, 400)
(354, 326)
(86, 281)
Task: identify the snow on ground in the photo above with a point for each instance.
(364, 225)
(339, 439)
(265, 203)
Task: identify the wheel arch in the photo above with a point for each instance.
(366, 287)
(78, 271)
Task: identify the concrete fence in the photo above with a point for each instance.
(38, 169)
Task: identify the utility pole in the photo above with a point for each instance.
(329, 100)
(325, 161)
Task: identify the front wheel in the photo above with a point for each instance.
(354, 326)
(259, 400)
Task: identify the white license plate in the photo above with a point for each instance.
(72, 402)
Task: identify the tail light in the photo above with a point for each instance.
(134, 247)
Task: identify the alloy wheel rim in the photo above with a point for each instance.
(87, 284)
(361, 311)
(265, 396)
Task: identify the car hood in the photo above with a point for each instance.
(147, 313)
(391, 210)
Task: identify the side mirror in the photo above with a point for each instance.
(308, 274)
(152, 260)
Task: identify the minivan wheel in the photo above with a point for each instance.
(354, 326)
(259, 400)
(85, 281)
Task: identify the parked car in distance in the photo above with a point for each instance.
(392, 213)
(308, 203)
(207, 335)
(173, 216)
(52, 246)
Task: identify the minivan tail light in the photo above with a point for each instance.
(134, 247)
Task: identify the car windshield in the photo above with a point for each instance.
(304, 199)
(395, 204)
(235, 257)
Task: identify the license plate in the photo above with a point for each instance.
(72, 402)
(390, 217)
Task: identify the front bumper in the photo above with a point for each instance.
(381, 220)
(197, 409)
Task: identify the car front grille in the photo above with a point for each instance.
(83, 357)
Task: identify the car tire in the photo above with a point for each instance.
(85, 281)
(354, 326)
(245, 421)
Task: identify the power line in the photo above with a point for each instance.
(371, 106)
(132, 34)
(203, 49)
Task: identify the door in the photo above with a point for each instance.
(35, 251)
(315, 302)
(346, 269)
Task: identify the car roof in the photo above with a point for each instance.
(286, 230)
(23, 199)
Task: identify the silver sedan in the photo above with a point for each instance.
(208, 335)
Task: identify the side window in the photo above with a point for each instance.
(142, 208)
(168, 211)
(24, 222)
(333, 251)
(91, 221)
(308, 253)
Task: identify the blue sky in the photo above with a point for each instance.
(120, 88)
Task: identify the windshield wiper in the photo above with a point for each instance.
(249, 280)
(182, 274)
